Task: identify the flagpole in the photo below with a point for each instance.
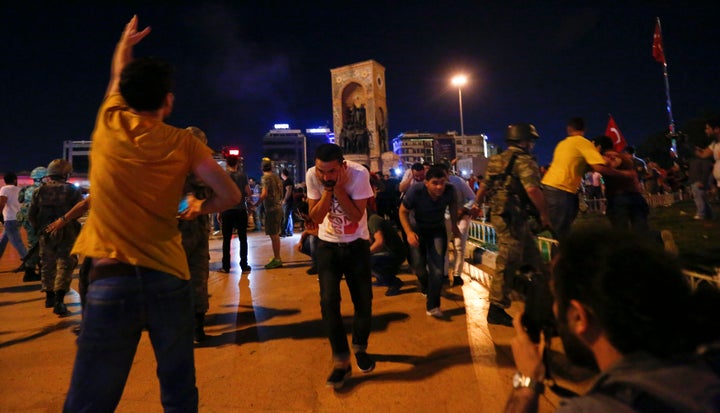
(668, 102)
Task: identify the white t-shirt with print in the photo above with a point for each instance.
(336, 226)
(13, 205)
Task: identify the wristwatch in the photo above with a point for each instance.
(520, 381)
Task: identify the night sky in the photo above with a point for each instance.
(242, 66)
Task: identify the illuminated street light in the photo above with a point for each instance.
(459, 81)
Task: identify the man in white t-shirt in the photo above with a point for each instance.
(10, 206)
(337, 192)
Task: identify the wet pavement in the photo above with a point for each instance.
(266, 350)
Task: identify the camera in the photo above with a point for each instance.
(534, 286)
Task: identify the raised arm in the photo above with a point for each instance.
(123, 53)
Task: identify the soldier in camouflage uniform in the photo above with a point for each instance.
(50, 202)
(195, 242)
(513, 184)
(32, 258)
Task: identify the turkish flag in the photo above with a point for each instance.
(657, 48)
(613, 132)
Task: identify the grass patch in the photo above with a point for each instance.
(697, 240)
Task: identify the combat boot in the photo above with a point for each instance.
(200, 327)
(49, 299)
(60, 307)
(30, 275)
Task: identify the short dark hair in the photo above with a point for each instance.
(604, 142)
(266, 166)
(328, 152)
(576, 123)
(609, 271)
(435, 172)
(417, 166)
(285, 172)
(145, 82)
(630, 149)
(232, 161)
(10, 178)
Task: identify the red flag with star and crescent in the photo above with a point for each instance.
(613, 132)
(657, 48)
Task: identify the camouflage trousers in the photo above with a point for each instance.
(197, 249)
(57, 262)
(516, 247)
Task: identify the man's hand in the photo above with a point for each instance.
(342, 178)
(527, 355)
(413, 239)
(131, 36)
(193, 210)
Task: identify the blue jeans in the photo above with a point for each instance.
(385, 267)
(352, 260)
(288, 224)
(428, 262)
(703, 208)
(628, 211)
(563, 209)
(118, 309)
(12, 234)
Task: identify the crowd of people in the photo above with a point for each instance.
(146, 251)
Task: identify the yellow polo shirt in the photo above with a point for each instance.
(137, 171)
(571, 159)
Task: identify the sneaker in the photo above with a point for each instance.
(364, 362)
(246, 268)
(274, 263)
(312, 270)
(435, 312)
(497, 315)
(669, 243)
(338, 376)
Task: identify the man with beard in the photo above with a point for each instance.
(338, 192)
(647, 350)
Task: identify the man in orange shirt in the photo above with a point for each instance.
(140, 277)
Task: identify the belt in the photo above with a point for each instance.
(343, 244)
(99, 272)
(553, 189)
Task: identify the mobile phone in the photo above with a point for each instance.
(184, 205)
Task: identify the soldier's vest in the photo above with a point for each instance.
(25, 198)
(508, 197)
(53, 200)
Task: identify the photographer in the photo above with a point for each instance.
(646, 345)
(513, 185)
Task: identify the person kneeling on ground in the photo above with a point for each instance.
(387, 251)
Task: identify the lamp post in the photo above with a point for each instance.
(460, 81)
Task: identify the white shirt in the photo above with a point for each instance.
(336, 226)
(13, 205)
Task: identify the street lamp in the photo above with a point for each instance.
(460, 81)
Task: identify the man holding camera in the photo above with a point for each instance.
(513, 182)
(653, 356)
(338, 192)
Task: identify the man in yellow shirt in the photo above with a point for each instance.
(573, 157)
(140, 277)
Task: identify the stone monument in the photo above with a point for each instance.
(360, 112)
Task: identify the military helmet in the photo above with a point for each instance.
(38, 173)
(198, 133)
(59, 167)
(519, 132)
